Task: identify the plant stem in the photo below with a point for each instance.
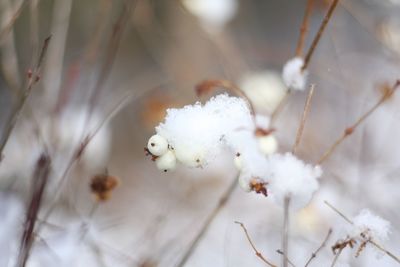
(303, 119)
(285, 232)
(348, 131)
(40, 178)
(314, 254)
(258, 253)
(304, 28)
(318, 36)
(32, 79)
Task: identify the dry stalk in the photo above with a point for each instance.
(318, 36)
(285, 232)
(256, 251)
(33, 78)
(375, 244)
(314, 254)
(348, 131)
(304, 28)
(40, 178)
(303, 119)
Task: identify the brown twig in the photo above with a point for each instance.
(40, 178)
(348, 131)
(336, 257)
(33, 77)
(258, 253)
(280, 252)
(210, 218)
(314, 254)
(303, 119)
(378, 246)
(79, 151)
(304, 28)
(111, 51)
(317, 37)
(280, 106)
(14, 17)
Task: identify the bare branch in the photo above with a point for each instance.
(33, 77)
(258, 253)
(303, 119)
(285, 232)
(304, 28)
(375, 244)
(314, 254)
(348, 131)
(317, 37)
(40, 178)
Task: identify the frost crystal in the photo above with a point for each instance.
(291, 176)
(371, 225)
(294, 77)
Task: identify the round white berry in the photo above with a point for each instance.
(268, 144)
(244, 184)
(166, 162)
(189, 158)
(157, 145)
(238, 161)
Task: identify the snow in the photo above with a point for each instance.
(294, 77)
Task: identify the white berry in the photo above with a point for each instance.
(268, 144)
(238, 161)
(157, 145)
(190, 159)
(166, 162)
(244, 184)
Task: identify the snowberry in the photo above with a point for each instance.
(238, 161)
(244, 184)
(190, 158)
(166, 162)
(268, 144)
(294, 77)
(157, 145)
(265, 89)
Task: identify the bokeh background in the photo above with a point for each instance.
(153, 61)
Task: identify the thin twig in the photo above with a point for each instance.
(32, 79)
(304, 28)
(40, 178)
(381, 248)
(285, 232)
(210, 218)
(280, 252)
(111, 51)
(338, 212)
(14, 17)
(336, 257)
(317, 37)
(258, 253)
(280, 106)
(314, 254)
(348, 131)
(79, 151)
(303, 119)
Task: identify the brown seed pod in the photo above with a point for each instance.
(259, 187)
(102, 185)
